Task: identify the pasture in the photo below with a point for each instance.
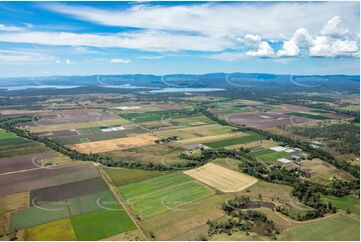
(234, 141)
(221, 178)
(339, 227)
(350, 202)
(213, 138)
(157, 195)
(123, 176)
(261, 152)
(273, 156)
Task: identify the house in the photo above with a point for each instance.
(284, 160)
(196, 146)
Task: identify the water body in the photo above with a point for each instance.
(178, 89)
(24, 87)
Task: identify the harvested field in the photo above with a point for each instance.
(115, 144)
(60, 230)
(221, 178)
(71, 116)
(23, 149)
(23, 162)
(44, 177)
(14, 202)
(160, 194)
(69, 190)
(323, 172)
(155, 153)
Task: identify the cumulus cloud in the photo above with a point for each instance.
(334, 27)
(324, 46)
(119, 61)
(264, 50)
(290, 47)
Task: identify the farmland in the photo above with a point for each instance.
(162, 170)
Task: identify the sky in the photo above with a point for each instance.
(88, 38)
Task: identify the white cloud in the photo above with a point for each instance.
(252, 38)
(324, 46)
(9, 28)
(334, 27)
(290, 47)
(13, 57)
(119, 61)
(269, 20)
(141, 40)
(264, 50)
(227, 56)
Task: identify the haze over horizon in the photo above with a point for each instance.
(90, 38)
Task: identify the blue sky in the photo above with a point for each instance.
(86, 38)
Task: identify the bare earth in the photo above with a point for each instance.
(221, 178)
(115, 144)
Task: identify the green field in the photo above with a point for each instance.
(234, 141)
(54, 211)
(156, 195)
(319, 111)
(348, 202)
(341, 228)
(123, 176)
(9, 138)
(309, 115)
(261, 152)
(102, 223)
(153, 116)
(274, 156)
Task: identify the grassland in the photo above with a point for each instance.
(308, 115)
(274, 156)
(102, 223)
(53, 231)
(156, 195)
(211, 138)
(123, 176)
(153, 116)
(79, 125)
(340, 227)
(351, 203)
(261, 152)
(240, 140)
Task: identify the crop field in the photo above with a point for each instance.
(221, 178)
(8, 138)
(23, 162)
(53, 231)
(239, 140)
(157, 195)
(340, 227)
(101, 223)
(153, 116)
(46, 211)
(308, 115)
(155, 153)
(115, 144)
(219, 137)
(42, 177)
(77, 125)
(123, 176)
(174, 224)
(195, 132)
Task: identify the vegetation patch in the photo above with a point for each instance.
(260, 152)
(273, 156)
(240, 140)
(102, 223)
(340, 227)
(308, 115)
(60, 230)
(156, 195)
